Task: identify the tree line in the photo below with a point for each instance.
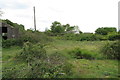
(66, 32)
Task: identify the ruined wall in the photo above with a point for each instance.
(9, 31)
(12, 33)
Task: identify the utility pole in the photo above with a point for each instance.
(34, 18)
(119, 16)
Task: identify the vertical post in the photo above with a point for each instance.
(119, 16)
(34, 18)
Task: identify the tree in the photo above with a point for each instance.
(105, 30)
(68, 27)
(57, 27)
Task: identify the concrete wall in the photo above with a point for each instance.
(11, 31)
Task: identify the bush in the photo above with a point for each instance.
(82, 54)
(59, 66)
(111, 51)
(31, 52)
(33, 37)
(83, 37)
(11, 42)
(37, 64)
(105, 30)
(68, 36)
(114, 37)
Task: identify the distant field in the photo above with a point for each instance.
(82, 68)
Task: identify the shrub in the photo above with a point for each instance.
(11, 42)
(32, 52)
(84, 37)
(111, 51)
(37, 64)
(105, 30)
(68, 36)
(100, 37)
(34, 56)
(33, 37)
(58, 66)
(114, 37)
(82, 54)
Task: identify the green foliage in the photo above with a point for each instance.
(13, 67)
(11, 42)
(83, 37)
(105, 30)
(111, 51)
(58, 28)
(100, 37)
(82, 54)
(49, 33)
(15, 25)
(69, 36)
(19, 26)
(114, 37)
(35, 37)
(37, 64)
(8, 22)
(87, 37)
(32, 52)
(0, 41)
(31, 36)
(59, 66)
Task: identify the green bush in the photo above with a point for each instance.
(82, 54)
(31, 52)
(105, 30)
(11, 42)
(111, 51)
(114, 37)
(37, 64)
(83, 37)
(33, 37)
(58, 66)
(68, 36)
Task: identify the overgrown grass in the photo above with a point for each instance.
(9, 53)
(33, 62)
(95, 68)
(83, 68)
(84, 54)
(65, 46)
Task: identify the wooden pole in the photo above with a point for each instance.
(119, 16)
(34, 18)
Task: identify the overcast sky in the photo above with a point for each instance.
(87, 14)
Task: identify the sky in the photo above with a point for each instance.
(87, 14)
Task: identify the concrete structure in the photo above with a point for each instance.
(8, 31)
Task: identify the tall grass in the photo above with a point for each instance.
(84, 54)
(112, 51)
